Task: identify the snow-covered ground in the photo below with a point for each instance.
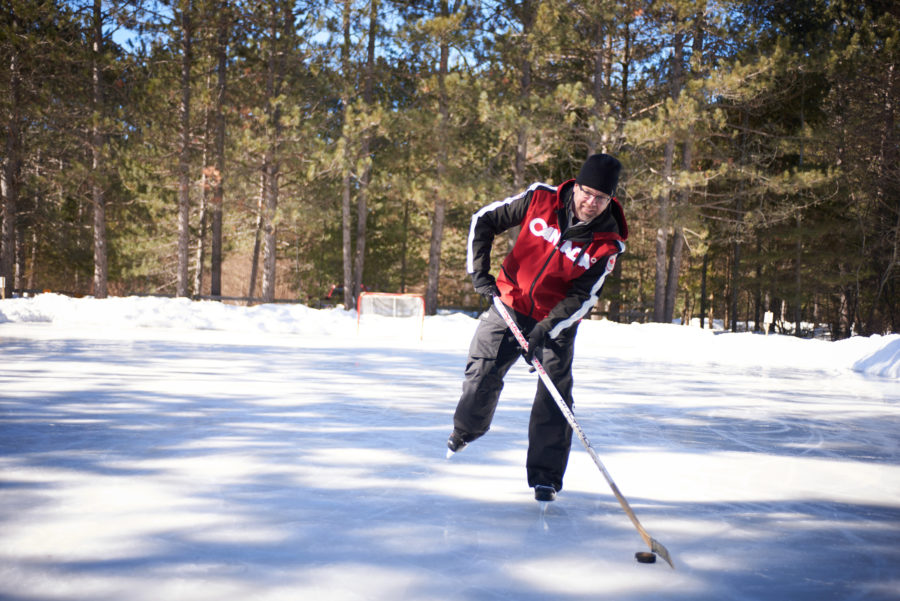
(166, 449)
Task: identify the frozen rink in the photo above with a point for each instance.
(156, 449)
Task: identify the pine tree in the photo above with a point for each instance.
(861, 68)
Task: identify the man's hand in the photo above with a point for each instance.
(486, 286)
(536, 340)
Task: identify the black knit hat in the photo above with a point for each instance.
(600, 172)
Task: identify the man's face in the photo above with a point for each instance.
(589, 202)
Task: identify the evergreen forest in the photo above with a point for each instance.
(284, 150)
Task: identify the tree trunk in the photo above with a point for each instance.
(615, 306)
(735, 279)
(270, 173)
(687, 157)
(665, 196)
(666, 289)
(362, 212)
(758, 295)
(798, 279)
(602, 86)
(845, 319)
(9, 180)
(512, 233)
(101, 269)
(404, 252)
(362, 209)
(184, 159)
(217, 201)
(440, 198)
(278, 42)
(200, 257)
(672, 273)
(346, 216)
(29, 283)
(346, 226)
(626, 73)
(703, 289)
(525, 94)
(662, 239)
(257, 237)
(683, 196)
(615, 292)
(434, 250)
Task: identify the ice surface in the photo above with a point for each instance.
(166, 449)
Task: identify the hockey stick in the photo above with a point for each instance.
(654, 544)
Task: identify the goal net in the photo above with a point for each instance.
(383, 314)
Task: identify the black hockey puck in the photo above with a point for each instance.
(645, 557)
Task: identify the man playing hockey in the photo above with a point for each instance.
(570, 237)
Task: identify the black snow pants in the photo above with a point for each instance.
(492, 353)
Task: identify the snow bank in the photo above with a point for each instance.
(883, 361)
(873, 355)
(178, 313)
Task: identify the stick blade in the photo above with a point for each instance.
(658, 548)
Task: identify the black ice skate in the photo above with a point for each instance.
(455, 443)
(544, 493)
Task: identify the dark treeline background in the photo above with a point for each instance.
(273, 148)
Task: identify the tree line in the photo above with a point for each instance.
(275, 148)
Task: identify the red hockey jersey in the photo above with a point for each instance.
(555, 270)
